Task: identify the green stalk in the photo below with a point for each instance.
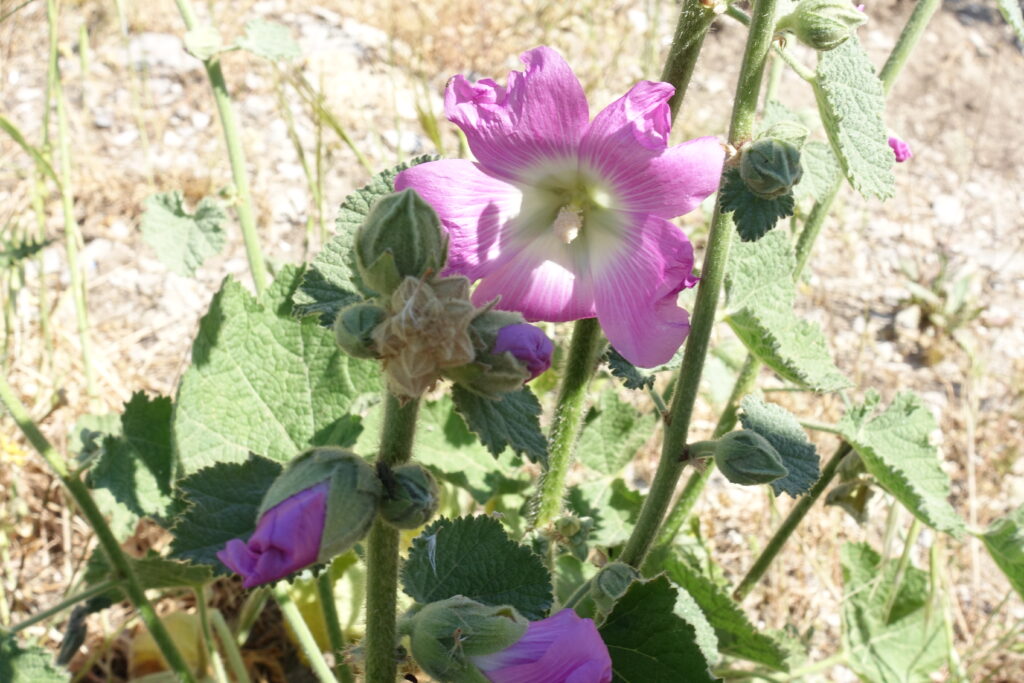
(325, 589)
(382, 549)
(302, 633)
(251, 610)
(219, 674)
(236, 155)
(118, 560)
(789, 525)
(584, 348)
(88, 593)
(72, 233)
(901, 568)
(691, 28)
(36, 195)
(227, 641)
(712, 275)
(911, 33)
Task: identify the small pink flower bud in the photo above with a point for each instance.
(900, 149)
(528, 344)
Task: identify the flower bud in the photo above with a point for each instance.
(823, 24)
(353, 329)
(318, 507)
(528, 345)
(563, 647)
(770, 168)
(510, 353)
(611, 583)
(789, 131)
(445, 636)
(401, 238)
(900, 149)
(745, 457)
(411, 496)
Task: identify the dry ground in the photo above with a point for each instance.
(143, 121)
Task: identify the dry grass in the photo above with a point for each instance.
(958, 104)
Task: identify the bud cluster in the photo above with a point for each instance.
(823, 24)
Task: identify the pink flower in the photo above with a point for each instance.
(900, 149)
(560, 649)
(528, 344)
(287, 538)
(566, 218)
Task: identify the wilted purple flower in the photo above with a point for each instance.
(900, 149)
(287, 538)
(563, 648)
(528, 344)
(564, 217)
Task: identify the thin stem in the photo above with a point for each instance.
(816, 426)
(219, 674)
(302, 633)
(227, 641)
(694, 21)
(907, 41)
(382, 549)
(716, 257)
(72, 233)
(88, 593)
(118, 560)
(236, 155)
(901, 568)
(325, 589)
(579, 367)
(793, 519)
(251, 609)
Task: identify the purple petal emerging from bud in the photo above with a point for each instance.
(528, 344)
(287, 538)
(900, 149)
(560, 649)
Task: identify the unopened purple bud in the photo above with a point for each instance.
(900, 149)
(561, 648)
(528, 344)
(287, 539)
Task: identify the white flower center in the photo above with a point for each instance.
(568, 224)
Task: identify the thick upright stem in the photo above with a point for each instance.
(236, 155)
(712, 275)
(582, 359)
(694, 21)
(382, 550)
(118, 560)
(907, 41)
(789, 525)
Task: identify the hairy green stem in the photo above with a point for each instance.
(905, 44)
(219, 673)
(325, 590)
(302, 633)
(227, 641)
(716, 257)
(382, 550)
(694, 21)
(118, 560)
(91, 592)
(72, 232)
(236, 155)
(789, 525)
(579, 367)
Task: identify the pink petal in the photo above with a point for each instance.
(635, 292)
(474, 207)
(540, 115)
(626, 146)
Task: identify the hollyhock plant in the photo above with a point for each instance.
(566, 218)
(900, 149)
(528, 344)
(287, 538)
(563, 648)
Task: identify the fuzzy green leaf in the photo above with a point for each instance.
(220, 503)
(785, 434)
(203, 42)
(613, 506)
(182, 240)
(754, 215)
(269, 40)
(1010, 9)
(14, 252)
(761, 295)
(136, 465)
(851, 102)
(614, 432)
(265, 383)
(152, 571)
(1004, 539)
(332, 282)
(633, 377)
(474, 557)
(737, 637)
(510, 421)
(907, 644)
(820, 171)
(648, 642)
(895, 448)
(28, 664)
